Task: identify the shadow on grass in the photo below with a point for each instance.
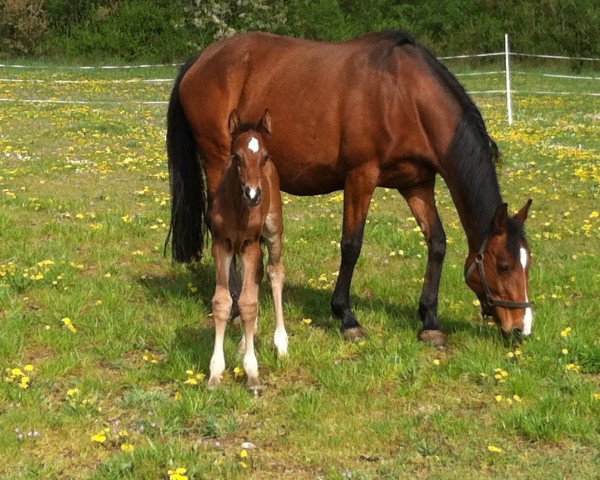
(307, 302)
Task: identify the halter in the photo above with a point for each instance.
(490, 301)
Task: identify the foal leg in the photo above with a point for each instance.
(272, 234)
(235, 287)
(358, 190)
(248, 304)
(421, 202)
(221, 308)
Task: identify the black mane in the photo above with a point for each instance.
(472, 152)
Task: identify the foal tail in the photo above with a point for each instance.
(186, 172)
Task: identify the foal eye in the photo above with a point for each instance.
(504, 269)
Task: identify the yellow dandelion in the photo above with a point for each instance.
(494, 449)
(306, 321)
(238, 372)
(191, 381)
(498, 398)
(69, 324)
(127, 447)
(24, 384)
(177, 474)
(99, 437)
(437, 361)
(565, 333)
(597, 396)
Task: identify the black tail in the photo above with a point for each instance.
(188, 192)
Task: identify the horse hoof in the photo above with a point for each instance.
(255, 387)
(355, 334)
(437, 338)
(213, 383)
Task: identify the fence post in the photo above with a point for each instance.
(508, 92)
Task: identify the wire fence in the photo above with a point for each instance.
(506, 75)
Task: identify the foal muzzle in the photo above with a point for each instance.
(252, 196)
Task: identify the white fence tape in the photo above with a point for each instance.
(162, 65)
(557, 57)
(89, 67)
(130, 80)
(506, 91)
(79, 102)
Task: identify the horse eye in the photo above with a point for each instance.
(504, 269)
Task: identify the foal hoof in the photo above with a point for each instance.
(255, 388)
(355, 334)
(213, 383)
(437, 338)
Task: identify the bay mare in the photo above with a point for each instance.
(378, 110)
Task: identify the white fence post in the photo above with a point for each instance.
(508, 92)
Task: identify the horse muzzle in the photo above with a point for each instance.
(252, 196)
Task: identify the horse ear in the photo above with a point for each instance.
(500, 220)
(521, 215)
(234, 122)
(265, 122)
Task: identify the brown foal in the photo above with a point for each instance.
(246, 210)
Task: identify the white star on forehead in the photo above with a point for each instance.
(253, 145)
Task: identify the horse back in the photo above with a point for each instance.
(335, 106)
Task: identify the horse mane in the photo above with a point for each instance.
(399, 38)
(472, 151)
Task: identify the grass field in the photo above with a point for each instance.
(104, 343)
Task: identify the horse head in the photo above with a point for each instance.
(249, 154)
(499, 272)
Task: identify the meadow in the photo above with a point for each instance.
(105, 343)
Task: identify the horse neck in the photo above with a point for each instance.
(471, 177)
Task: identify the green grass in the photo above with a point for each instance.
(85, 187)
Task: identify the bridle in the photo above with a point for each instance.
(490, 301)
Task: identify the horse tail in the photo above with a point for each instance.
(187, 178)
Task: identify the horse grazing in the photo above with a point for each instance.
(378, 110)
(245, 210)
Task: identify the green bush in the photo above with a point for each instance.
(128, 30)
(22, 25)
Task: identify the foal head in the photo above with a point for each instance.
(499, 272)
(249, 154)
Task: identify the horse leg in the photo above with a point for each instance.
(358, 190)
(235, 287)
(221, 308)
(421, 201)
(248, 304)
(272, 234)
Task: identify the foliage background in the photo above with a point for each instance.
(165, 30)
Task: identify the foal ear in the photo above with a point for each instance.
(500, 220)
(265, 122)
(234, 122)
(521, 215)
